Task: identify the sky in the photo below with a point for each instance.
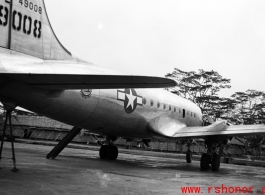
(152, 37)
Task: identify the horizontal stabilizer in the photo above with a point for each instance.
(70, 81)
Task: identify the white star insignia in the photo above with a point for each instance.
(131, 99)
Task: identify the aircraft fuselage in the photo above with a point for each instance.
(112, 112)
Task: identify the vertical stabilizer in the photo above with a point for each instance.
(25, 28)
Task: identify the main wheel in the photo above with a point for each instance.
(188, 156)
(108, 152)
(103, 152)
(215, 162)
(205, 162)
(113, 152)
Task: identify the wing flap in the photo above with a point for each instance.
(71, 81)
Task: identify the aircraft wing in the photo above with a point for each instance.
(219, 129)
(71, 81)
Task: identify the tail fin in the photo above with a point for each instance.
(25, 28)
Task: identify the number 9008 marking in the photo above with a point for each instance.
(21, 22)
(36, 25)
(31, 6)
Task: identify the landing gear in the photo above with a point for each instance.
(189, 152)
(188, 156)
(109, 151)
(215, 162)
(205, 159)
(211, 160)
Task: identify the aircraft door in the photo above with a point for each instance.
(5, 6)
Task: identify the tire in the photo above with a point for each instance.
(108, 152)
(113, 152)
(215, 162)
(204, 162)
(189, 156)
(103, 152)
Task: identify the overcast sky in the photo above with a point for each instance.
(152, 37)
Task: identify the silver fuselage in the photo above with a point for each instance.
(101, 111)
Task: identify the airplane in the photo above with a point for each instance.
(39, 74)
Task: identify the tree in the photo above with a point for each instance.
(200, 87)
(250, 109)
(250, 106)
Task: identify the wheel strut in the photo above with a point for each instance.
(189, 152)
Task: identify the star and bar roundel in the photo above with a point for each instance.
(130, 99)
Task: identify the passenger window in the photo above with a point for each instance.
(158, 105)
(151, 102)
(169, 108)
(144, 101)
(183, 115)
(165, 106)
(174, 109)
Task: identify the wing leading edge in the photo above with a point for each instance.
(71, 81)
(216, 129)
(219, 129)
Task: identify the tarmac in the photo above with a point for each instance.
(79, 170)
